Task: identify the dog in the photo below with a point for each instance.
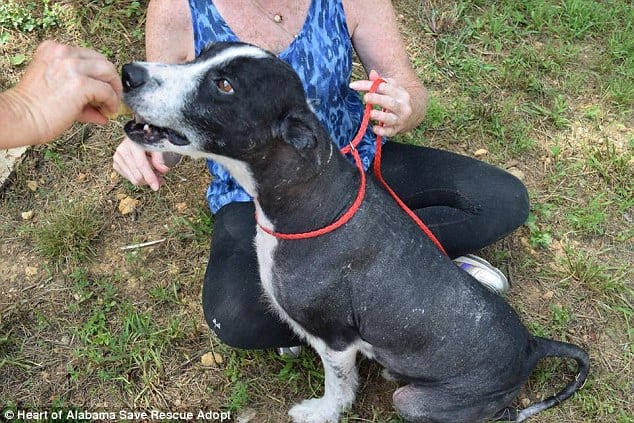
(376, 285)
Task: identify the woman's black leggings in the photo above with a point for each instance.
(467, 204)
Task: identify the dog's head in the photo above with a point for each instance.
(230, 102)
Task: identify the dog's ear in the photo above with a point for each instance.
(300, 131)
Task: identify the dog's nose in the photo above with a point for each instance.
(133, 76)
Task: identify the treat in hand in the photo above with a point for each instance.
(123, 110)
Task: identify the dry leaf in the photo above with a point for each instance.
(32, 185)
(207, 360)
(30, 271)
(481, 152)
(128, 205)
(211, 359)
(246, 415)
(27, 215)
(218, 358)
(511, 163)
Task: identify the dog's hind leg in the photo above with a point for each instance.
(340, 374)
(436, 404)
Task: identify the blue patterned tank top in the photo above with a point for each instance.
(321, 54)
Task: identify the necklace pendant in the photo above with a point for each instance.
(278, 18)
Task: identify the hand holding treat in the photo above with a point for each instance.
(62, 85)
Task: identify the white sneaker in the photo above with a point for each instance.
(484, 272)
(290, 352)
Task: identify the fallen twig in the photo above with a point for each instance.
(143, 244)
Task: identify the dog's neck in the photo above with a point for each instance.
(299, 192)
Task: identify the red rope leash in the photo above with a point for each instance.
(377, 173)
(351, 148)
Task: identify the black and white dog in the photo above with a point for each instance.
(377, 284)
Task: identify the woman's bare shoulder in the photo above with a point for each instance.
(169, 31)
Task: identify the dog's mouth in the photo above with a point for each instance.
(144, 133)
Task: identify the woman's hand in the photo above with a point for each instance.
(141, 167)
(394, 101)
(61, 85)
(69, 83)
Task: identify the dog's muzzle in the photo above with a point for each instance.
(133, 78)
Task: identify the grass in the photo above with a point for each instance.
(543, 87)
(30, 17)
(68, 235)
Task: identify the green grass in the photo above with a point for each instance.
(589, 218)
(115, 341)
(540, 233)
(614, 167)
(197, 227)
(610, 282)
(30, 16)
(67, 235)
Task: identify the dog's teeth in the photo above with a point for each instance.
(146, 128)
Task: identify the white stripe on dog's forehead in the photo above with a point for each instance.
(224, 57)
(192, 71)
(235, 52)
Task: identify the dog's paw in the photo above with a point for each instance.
(317, 410)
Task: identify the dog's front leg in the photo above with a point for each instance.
(340, 373)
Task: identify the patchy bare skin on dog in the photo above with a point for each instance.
(377, 285)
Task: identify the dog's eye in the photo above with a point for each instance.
(224, 86)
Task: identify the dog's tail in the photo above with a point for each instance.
(543, 348)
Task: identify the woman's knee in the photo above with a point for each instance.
(221, 320)
(240, 317)
(231, 285)
(516, 202)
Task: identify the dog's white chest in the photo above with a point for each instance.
(265, 246)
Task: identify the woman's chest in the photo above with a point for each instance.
(274, 25)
